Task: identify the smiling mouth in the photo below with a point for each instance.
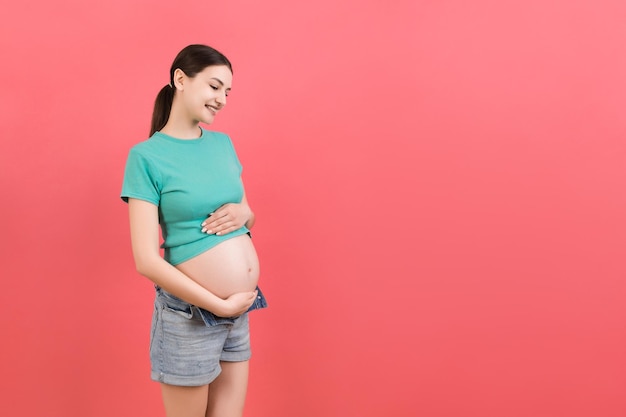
(212, 109)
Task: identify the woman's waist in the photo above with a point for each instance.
(182, 307)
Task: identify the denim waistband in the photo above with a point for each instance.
(209, 318)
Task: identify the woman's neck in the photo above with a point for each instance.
(179, 125)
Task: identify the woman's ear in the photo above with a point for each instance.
(179, 79)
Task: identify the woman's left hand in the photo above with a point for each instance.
(226, 219)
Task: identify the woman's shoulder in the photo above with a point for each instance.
(221, 139)
(149, 145)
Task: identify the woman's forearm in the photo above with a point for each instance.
(166, 276)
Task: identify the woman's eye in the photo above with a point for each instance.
(214, 87)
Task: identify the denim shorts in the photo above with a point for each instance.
(187, 343)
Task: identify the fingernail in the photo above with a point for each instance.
(209, 232)
(218, 233)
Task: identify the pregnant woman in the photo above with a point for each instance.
(188, 180)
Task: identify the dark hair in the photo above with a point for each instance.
(191, 60)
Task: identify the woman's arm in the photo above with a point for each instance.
(144, 232)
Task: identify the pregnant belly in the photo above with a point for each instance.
(230, 267)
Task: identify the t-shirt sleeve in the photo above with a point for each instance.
(141, 180)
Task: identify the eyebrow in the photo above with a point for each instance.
(219, 81)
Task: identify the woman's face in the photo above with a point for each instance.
(205, 94)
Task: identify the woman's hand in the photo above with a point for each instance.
(237, 304)
(227, 218)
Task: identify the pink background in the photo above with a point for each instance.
(439, 188)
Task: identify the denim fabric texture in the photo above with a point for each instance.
(187, 343)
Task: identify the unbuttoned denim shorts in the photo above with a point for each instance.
(187, 343)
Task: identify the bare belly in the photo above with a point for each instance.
(230, 267)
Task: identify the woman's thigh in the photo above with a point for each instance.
(184, 401)
(224, 397)
(227, 393)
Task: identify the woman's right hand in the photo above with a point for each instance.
(237, 304)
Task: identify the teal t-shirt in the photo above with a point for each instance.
(187, 180)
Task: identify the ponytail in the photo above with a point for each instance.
(162, 108)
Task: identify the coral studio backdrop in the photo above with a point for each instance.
(439, 189)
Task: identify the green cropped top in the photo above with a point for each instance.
(186, 180)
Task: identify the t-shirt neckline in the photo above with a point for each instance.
(178, 140)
